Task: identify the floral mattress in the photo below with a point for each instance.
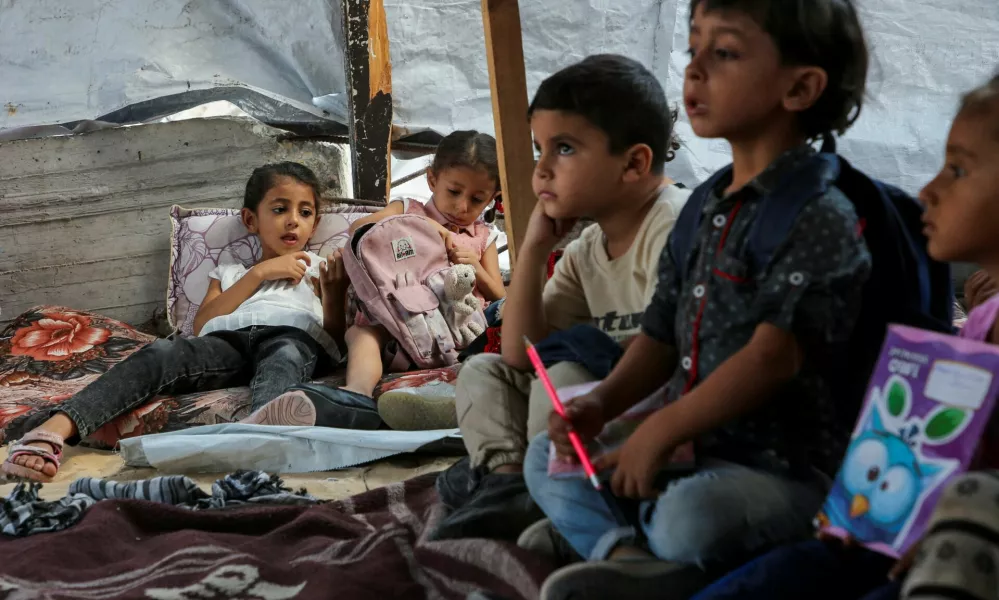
(49, 353)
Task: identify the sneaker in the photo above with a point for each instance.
(424, 408)
(291, 409)
(542, 538)
(315, 404)
(598, 580)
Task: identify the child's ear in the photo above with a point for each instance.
(249, 219)
(431, 180)
(639, 162)
(807, 86)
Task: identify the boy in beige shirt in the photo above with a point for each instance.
(603, 131)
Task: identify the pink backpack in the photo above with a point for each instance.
(398, 268)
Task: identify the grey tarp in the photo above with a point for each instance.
(67, 61)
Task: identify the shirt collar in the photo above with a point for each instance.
(767, 180)
(438, 216)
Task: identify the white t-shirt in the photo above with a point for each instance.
(588, 287)
(275, 303)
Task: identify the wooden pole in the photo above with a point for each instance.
(369, 97)
(508, 87)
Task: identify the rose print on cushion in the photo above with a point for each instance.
(57, 336)
(49, 353)
(61, 344)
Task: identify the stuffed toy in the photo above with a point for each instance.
(458, 285)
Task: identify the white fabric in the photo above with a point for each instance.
(64, 61)
(275, 303)
(216, 448)
(924, 55)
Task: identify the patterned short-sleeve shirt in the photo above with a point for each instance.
(811, 287)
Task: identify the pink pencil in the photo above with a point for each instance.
(577, 444)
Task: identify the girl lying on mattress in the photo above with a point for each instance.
(266, 327)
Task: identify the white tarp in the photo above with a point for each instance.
(233, 446)
(925, 53)
(64, 61)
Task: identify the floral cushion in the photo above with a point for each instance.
(50, 352)
(203, 238)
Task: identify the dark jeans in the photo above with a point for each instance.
(269, 359)
(814, 570)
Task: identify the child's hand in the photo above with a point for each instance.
(290, 266)
(543, 232)
(637, 462)
(586, 414)
(332, 276)
(459, 256)
(444, 233)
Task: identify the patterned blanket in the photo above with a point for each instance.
(369, 546)
(49, 353)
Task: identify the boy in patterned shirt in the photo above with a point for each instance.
(739, 346)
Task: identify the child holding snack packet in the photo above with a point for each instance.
(958, 556)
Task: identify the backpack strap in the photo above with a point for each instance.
(781, 206)
(895, 202)
(688, 223)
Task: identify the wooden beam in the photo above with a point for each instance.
(369, 97)
(508, 87)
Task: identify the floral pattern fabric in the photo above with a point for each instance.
(49, 353)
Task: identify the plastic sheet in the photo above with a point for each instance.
(925, 54)
(68, 61)
(219, 448)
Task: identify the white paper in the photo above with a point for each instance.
(958, 384)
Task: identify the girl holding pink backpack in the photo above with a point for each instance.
(464, 180)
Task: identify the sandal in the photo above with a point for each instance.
(11, 471)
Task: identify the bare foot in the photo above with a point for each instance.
(59, 425)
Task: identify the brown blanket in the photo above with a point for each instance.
(369, 546)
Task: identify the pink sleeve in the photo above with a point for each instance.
(487, 235)
(981, 320)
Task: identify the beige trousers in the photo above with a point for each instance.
(500, 409)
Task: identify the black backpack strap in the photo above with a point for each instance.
(779, 209)
(895, 217)
(688, 223)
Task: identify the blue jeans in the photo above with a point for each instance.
(723, 513)
(812, 569)
(268, 359)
